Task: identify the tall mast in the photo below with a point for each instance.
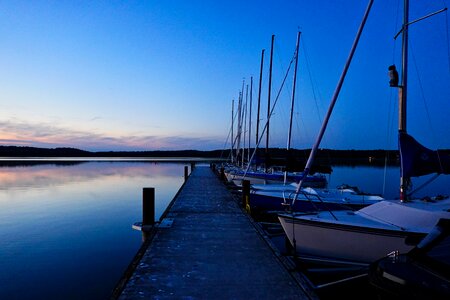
(238, 134)
(403, 86)
(268, 97)
(292, 103)
(250, 119)
(232, 135)
(241, 112)
(403, 91)
(293, 92)
(259, 96)
(244, 120)
(333, 102)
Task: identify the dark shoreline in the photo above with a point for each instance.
(276, 156)
(294, 159)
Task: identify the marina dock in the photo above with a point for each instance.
(207, 247)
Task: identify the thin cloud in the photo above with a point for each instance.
(95, 118)
(51, 136)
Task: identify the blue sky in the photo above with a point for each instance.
(149, 75)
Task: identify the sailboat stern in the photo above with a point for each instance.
(314, 236)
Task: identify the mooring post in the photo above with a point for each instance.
(192, 166)
(148, 213)
(246, 194)
(148, 207)
(186, 173)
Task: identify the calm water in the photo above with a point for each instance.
(386, 181)
(65, 229)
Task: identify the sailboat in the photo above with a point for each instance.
(274, 174)
(313, 196)
(271, 198)
(363, 236)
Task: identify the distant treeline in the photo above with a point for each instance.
(23, 151)
(275, 156)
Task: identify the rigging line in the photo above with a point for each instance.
(395, 28)
(380, 219)
(311, 79)
(316, 102)
(228, 137)
(390, 122)
(226, 141)
(433, 134)
(424, 184)
(314, 90)
(383, 190)
(315, 96)
(235, 138)
(270, 115)
(280, 61)
(448, 40)
(337, 90)
(390, 126)
(391, 112)
(298, 120)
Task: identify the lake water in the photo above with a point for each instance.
(386, 181)
(65, 228)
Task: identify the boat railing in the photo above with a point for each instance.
(308, 196)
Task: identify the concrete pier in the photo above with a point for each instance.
(209, 248)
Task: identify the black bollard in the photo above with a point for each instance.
(148, 206)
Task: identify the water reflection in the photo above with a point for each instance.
(65, 231)
(43, 175)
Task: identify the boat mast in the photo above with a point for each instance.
(292, 102)
(232, 134)
(250, 119)
(403, 87)
(259, 96)
(268, 99)
(402, 90)
(333, 102)
(239, 133)
(244, 119)
(293, 92)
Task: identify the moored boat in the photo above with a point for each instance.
(368, 234)
(365, 235)
(271, 197)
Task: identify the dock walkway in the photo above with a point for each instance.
(212, 250)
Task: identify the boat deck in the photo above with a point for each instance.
(210, 248)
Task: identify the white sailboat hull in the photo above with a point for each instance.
(346, 243)
(363, 236)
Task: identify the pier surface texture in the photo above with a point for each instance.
(212, 250)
